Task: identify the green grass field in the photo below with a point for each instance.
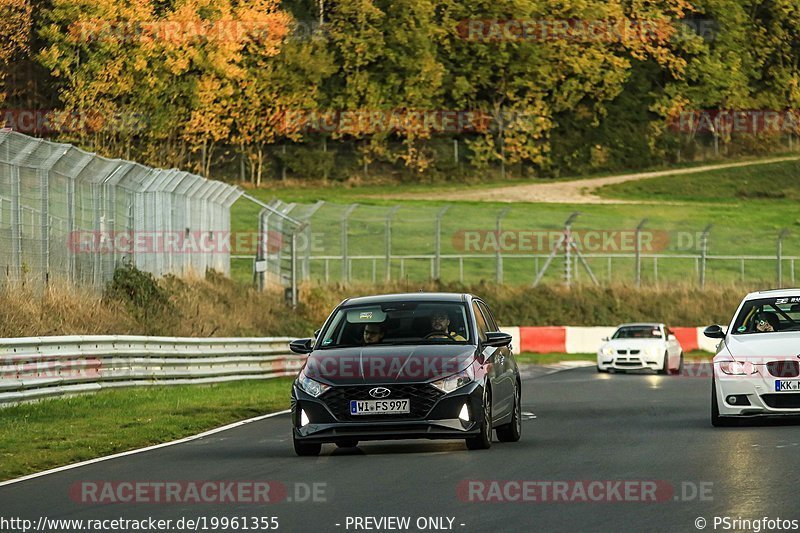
(55, 432)
(747, 208)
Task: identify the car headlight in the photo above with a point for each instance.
(607, 351)
(308, 385)
(451, 383)
(735, 368)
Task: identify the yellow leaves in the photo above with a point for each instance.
(15, 33)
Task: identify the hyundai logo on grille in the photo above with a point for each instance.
(379, 392)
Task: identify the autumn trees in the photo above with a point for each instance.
(222, 87)
(15, 34)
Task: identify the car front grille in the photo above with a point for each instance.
(782, 401)
(784, 369)
(422, 397)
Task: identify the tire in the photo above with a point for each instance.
(665, 369)
(306, 449)
(512, 431)
(483, 441)
(347, 443)
(678, 371)
(604, 371)
(716, 420)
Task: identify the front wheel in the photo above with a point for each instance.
(306, 449)
(679, 370)
(665, 368)
(512, 431)
(483, 441)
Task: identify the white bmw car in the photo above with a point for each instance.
(641, 347)
(757, 365)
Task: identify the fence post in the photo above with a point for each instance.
(261, 248)
(784, 232)
(16, 223)
(345, 258)
(44, 187)
(309, 239)
(655, 269)
(388, 241)
(639, 252)
(499, 256)
(438, 247)
(703, 255)
(294, 266)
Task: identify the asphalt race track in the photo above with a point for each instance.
(582, 427)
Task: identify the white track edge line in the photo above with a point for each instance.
(141, 450)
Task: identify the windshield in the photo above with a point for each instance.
(397, 323)
(638, 332)
(768, 315)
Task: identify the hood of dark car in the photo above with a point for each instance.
(387, 363)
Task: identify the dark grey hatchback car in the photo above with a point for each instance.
(406, 366)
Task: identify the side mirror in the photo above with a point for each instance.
(671, 337)
(605, 339)
(714, 332)
(497, 338)
(302, 346)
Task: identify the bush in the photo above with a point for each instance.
(142, 297)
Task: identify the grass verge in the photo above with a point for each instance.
(51, 433)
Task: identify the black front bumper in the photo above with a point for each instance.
(440, 421)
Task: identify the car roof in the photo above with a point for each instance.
(408, 297)
(642, 324)
(772, 292)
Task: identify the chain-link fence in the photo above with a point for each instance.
(532, 244)
(66, 213)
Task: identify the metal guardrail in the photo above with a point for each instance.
(39, 367)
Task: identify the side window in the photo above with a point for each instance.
(490, 322)
(479, 321)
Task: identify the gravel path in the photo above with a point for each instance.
(580, 191)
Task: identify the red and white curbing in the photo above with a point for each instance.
(576, 339)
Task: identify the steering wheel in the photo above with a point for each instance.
(439, 334)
